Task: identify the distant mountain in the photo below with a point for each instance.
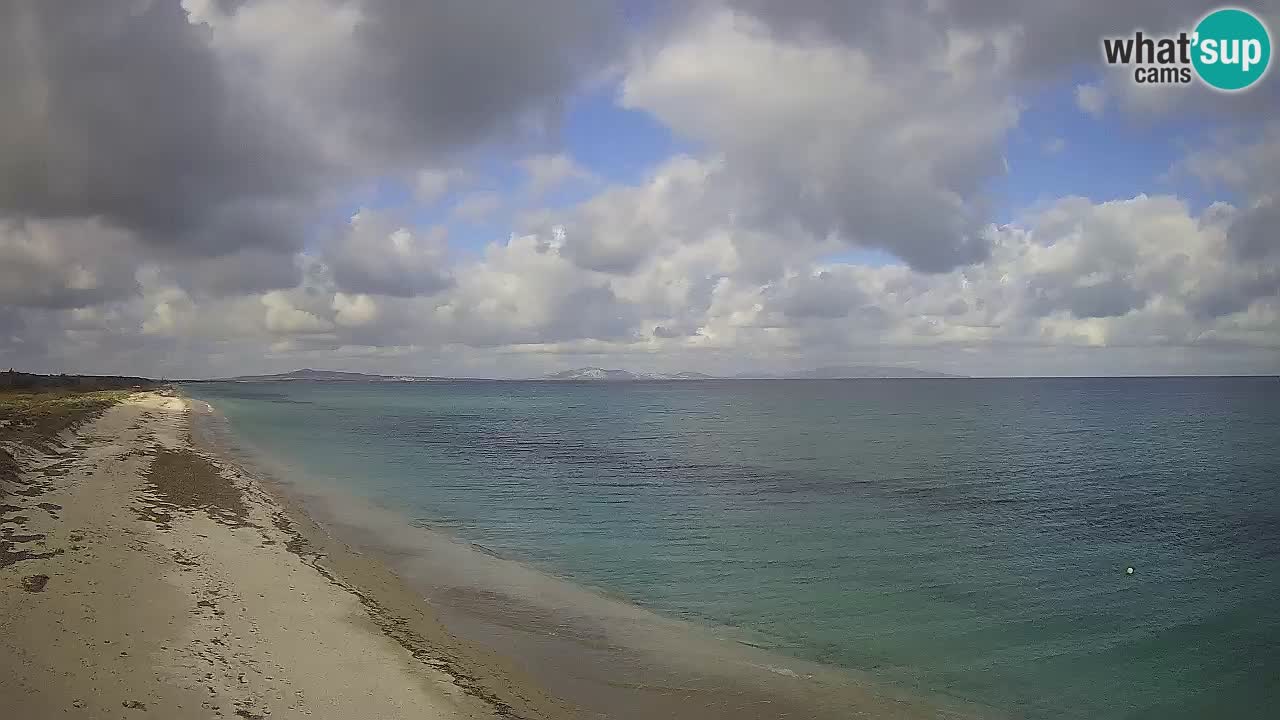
(597, 374)
(603, 375)
(593, 373)
(685, 375)
(852, 372)
(308, 374)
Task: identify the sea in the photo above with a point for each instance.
(1038, 548)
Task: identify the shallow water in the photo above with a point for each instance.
(961, 537)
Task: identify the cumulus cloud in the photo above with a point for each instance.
(619, 228)
(213, 127)
(1246, 163)
(171, 211)
(1139, 272)
(1250, 166)
(875, 153)
(377, 255)
(354, 310)
(156, 139)
(826, 293)
(1045, 41)
(526, 292)
(383, 82)
(1047, 37)
(285, 318)
(243, 271)
(64, 263)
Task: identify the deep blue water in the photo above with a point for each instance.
(967, 537)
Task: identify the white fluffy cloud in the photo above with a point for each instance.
(828, 205)
(376, 255)
(831, 140)
(1079, 278)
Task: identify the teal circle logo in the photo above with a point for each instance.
(1232, 49)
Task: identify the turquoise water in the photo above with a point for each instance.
(965, 537)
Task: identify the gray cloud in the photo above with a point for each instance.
(165, 175)
(1046, 40)
(64, 263)
(1250, 166)
(375, 254)
(1111, 298)
(826, 294)
(438, 76)
(621, 227)
(127, 116)
(875, 152)
(242, 272)
(227, 128)
(1168, 285)
(1052, 36)
(1255, 232)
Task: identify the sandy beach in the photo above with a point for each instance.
(141, 577)
(146, 569)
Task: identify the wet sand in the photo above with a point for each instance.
(142, 577)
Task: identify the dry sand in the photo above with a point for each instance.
(142, 577)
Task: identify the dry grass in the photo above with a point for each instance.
(35, 418)
(38, 418)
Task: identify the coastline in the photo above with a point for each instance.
(159, 577)
(605, 655)
(180, 578)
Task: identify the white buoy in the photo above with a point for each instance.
(1128, 571)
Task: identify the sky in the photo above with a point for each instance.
(207, 188)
